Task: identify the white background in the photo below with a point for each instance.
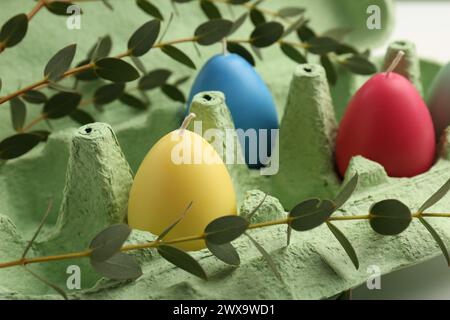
(427, 23)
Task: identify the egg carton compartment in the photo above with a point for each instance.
(88, 173)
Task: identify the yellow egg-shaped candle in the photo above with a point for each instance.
(181, 168)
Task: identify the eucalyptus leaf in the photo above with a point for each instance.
(345, 244)
(108, 93)
(60, 63)
(115, 70)
(266, 256)
(257, 17)
(436, 197)
(210, 9)
(389, 217)
(256, 209)
(225, 229)
(289, 12)
(181, 80)
(182, 260)
(150, 9)
(224, 252)
(310, 214)
(61, 105)
(329, 69)
(322, 45)
(288, 235)
(119, 267)
(14, 30)
(132, 101)
(17, 145)
(346, 192)
(138, 64)
(436, 238)
(59, 7)
(102, 48)
(305, 33)
(266, 34)
(42, 134)
(294, 54)
(212, 31)
(237, 24)
(144, 38)
(34, 97)
(237, 2)
(346, 49)
(18, 113)
(174, 224)
(82, 117)
(173, 93)
(359, 65)
(154, 79)
(257, 52)
(178, 55)
(294, 26)
(109, 242)
(107, 4)
(238, 49)
(339, 34)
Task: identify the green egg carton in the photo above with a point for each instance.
(88, 172)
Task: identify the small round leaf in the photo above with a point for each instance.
(173, 93)
(322, 45)
(182, 260)
(266, 34)
(59, 7)
(108, 242)
(390, 217)
(293, 53)
(132, 101)
(14, 30)
(119, 267)
(225, 229)
(144, 38)
(212, 31)
(17, 145)
(240, 50)
(178, 55)
(34, 97)
(115, 70)
(61, 105)
(310, 214)
(359, 65)
(60, 63)
(224, 252)
(150, 9)
(82, 117)
(154, 79)
(108, 93)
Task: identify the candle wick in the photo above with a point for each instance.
(395, 63)
(224, 47)
(186, 122)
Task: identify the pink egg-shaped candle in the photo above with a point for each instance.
(388, 122)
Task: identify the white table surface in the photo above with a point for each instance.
(427, 23)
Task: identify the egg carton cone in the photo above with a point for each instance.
(87, 172)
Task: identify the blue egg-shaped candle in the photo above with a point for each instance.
(249, 100)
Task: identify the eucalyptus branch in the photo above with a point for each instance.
(157, 243)
(387, 217)
(89, 66)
